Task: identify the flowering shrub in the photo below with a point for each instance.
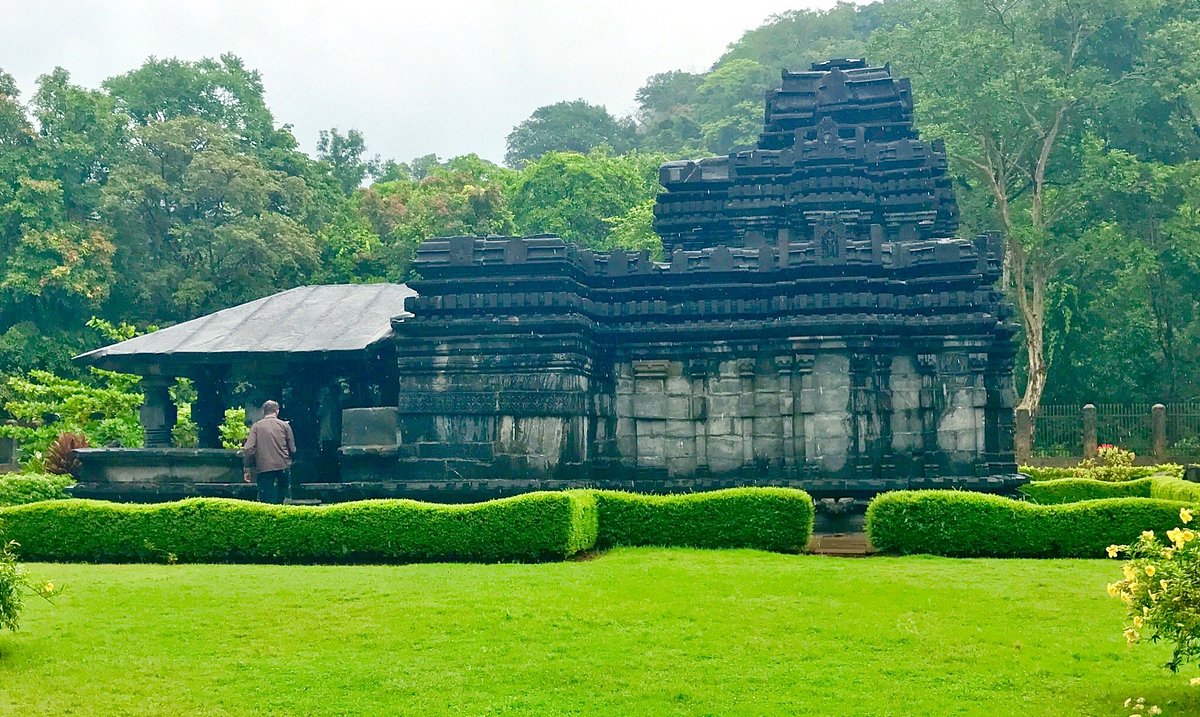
(1110, 474)
(1161, 588)
(1109, 456)
(15, 583)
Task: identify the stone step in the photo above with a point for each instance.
(840, 544)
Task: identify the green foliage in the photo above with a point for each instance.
(1161, 589)
(778, 519)
(576, 195)
(45, 406)
(634, 230)
(961, 524)
(567, 127)
(535, 526)
(1104, 473)
(234, 429)
(345, 156)
(15, 583)
(19, 489)
(1073, 490)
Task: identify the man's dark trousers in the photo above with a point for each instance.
(273, 486)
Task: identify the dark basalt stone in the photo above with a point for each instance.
(816, 323)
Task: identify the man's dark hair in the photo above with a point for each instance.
(270, 407)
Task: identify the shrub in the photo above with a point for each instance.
(535, 526)
(1109, 455)
(964, 524)
(14, 584)
(1104, 473)
(1073, 490)
(779, 519)
(1161, 589)
(21, 488)
(61, 458)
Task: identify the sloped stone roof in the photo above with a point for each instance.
(299, 324)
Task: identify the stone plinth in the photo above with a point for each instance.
(160, 474)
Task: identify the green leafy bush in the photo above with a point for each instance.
(1104, 473)
(22, 488)
(1161, 589)
(45, 406)
(779, 519)
(535, 526)
(15, 583)
(961, 524)
(1073, 490)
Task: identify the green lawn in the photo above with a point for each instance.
(633, 632)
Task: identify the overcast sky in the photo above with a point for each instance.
(449, 76)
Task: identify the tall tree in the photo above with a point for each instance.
(1009, 84)
(567, 127)
(577, 196)
(346, 156)
(201, 225)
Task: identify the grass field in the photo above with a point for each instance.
(633, 632)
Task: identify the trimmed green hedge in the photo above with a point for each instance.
(22, 488)
(778, 519)
(961, 524)
(1073, 490)
(535, 526)
(1103, 473)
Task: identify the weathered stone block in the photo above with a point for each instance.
(370, 427)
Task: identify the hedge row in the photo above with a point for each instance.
(22, 488)
(535, 526)
(1104, 473)
(778, 519)
(961, 524)
(1073, 490)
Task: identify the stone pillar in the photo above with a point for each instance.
(1158, 425)
(209, 410)
(158, 413)
(927, 368)
(1089, 431)
(1023, 438)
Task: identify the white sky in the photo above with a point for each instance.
(450, 77)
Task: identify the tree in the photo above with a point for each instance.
(567, 127)
(1009, 85)
(465, 196)
(200, 225)
(577, 195)
(345, 156)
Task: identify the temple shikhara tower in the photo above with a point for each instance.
(816, 321)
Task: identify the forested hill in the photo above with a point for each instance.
(171, 190)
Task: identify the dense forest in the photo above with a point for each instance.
(172, 191)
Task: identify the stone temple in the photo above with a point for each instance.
(815, 322)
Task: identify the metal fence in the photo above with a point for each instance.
(1059, 429)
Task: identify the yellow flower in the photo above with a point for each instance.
(1188, 535)
(1114, 551)
(1168, 553)
(1138, 622)
(1194, 682)
(1185, 514)
(1147, 535)
(1176, 537)
(48, 587)
(1131, 635)
(1114, 589)
(1130, 574)
(1154, 710)
(1162, 584)
(1150, 570)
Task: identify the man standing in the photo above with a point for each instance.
(269, 450)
